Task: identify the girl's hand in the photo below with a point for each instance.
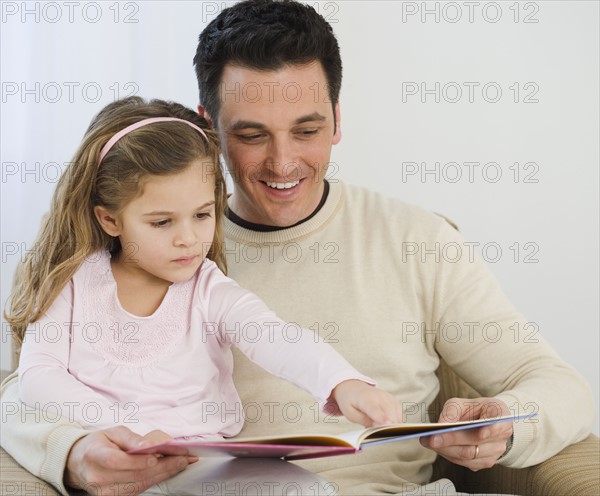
(365, 404)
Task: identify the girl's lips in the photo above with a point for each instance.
(186, 260)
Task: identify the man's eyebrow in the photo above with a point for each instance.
(315, 116)
(166, 212)
(244, 124)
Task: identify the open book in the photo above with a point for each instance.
(299, 446)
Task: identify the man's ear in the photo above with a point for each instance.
(108, 221)
(337, 136)
(202, 111)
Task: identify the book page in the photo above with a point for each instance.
(312, 445)
(375, 435)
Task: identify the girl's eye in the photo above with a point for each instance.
(160, 223)
(203, 215)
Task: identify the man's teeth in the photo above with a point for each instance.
(282, 185)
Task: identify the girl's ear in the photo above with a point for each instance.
(107, 221)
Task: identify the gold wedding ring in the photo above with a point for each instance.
(476, 452)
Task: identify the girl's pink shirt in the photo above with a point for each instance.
(92, 361)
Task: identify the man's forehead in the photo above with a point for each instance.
(289, 96)
(311, 70)
(287, 84)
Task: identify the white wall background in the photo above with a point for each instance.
(63, 61)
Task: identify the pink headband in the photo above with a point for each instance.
(110, 143)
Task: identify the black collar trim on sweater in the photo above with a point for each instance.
(264, 228)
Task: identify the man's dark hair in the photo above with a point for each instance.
(265, 35)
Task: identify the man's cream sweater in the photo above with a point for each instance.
(392, 287)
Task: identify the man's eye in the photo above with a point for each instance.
(160, 223)
(307, 133)
(249, 137)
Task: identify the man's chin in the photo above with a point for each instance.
(282, 219)
(286, 207)
(272, 208)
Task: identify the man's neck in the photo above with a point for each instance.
(233, 217)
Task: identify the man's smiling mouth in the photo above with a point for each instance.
(282, 185)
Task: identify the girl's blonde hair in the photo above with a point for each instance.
(70, 232)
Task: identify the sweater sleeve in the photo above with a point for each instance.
(286, 350)
(45, 383)
(37, 442)
(502, 355)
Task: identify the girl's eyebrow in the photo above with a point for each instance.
(166, 212)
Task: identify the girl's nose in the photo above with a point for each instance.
(186, 236)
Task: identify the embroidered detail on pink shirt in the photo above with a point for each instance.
(126, 339)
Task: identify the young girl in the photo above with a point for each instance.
(123, 309)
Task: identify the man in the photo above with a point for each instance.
(337, 259)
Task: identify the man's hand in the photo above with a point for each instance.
(472, 448)
(365, 404)
(98, 463)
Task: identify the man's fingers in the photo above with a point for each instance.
(157, 437)
(493, 409)
(460, 438)
(469, 437)
(168, 467)
(458, 409)
(474, 457)
(472, 448)
(126, 468)
(468, 452)
(95, 458)
(115, 460)
(501, 430)
(98, 464)
(124, 438)
(132, 482)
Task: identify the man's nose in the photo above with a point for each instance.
(282, 159)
